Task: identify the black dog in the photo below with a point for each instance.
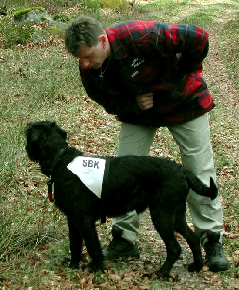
(134, 183)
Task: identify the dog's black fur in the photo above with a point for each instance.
(134, 183)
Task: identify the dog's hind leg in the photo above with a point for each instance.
(163, 221)
(76, 242)
(191, 238)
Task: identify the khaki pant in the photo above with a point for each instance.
(193, 139)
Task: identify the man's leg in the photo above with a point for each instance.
(193, 139)
(133, 140)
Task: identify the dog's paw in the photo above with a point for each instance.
(162, 276)
(194, 267)
(74, 265)
(92, 267)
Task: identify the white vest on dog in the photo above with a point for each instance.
(90, 170)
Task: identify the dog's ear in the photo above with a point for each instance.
(32, 134)
(29, 132)
(32, 146)
(59, 130)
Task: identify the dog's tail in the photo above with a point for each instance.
(199, 187)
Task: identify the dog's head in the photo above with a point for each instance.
(44, 140)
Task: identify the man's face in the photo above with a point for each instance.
(92, 57)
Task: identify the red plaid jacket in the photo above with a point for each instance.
(149, 56)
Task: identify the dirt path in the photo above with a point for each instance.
(215, 70)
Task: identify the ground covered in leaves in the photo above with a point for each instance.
(40, 81)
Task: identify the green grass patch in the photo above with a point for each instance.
(229, 48)
(202, 18)
(13, 34)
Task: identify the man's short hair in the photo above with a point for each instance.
(82, 30)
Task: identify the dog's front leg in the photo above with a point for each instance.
(76, 241)
(89, 233)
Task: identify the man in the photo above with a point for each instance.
(149, 75)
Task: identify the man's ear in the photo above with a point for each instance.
(103, 39)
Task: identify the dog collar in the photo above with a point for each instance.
(50, 181)
(96, 163)
(49, 184)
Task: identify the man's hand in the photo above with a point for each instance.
(145, 101)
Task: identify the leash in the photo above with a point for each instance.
(50, 181)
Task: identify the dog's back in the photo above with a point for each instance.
(151, 179)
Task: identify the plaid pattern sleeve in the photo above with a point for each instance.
(148, 56)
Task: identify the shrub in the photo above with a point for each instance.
(12, 33)
(61, 17)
